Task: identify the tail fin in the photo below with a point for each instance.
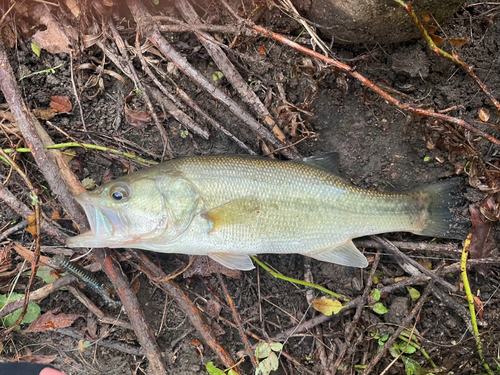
(444, 218)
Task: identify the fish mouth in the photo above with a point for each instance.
(101, 231)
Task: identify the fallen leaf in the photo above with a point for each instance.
(327, 306)
(457, 41)
(51, 322)
(479, 307)
(56, 38)
(262, 49)
(484, 114)
(213, 309)
(139, 119)
(45, 114)
(204, 266)
(480, 231)
(61, 104)
(198, 346)
(31, 225)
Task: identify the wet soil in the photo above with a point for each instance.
(380, 147)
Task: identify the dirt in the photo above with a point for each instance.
(380, 147)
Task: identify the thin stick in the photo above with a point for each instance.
(237, 320)
(151, 31)
(296, 281)
(357, 315)
(470, 300)
(405, 323)
(388, 246)
(36, 236)
(367, 83)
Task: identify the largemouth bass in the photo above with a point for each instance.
(229, 207)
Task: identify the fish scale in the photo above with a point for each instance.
(230, 206)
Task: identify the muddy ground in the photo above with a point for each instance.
(380, 147)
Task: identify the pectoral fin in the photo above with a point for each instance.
(345, 254)
(233, 261)
(238, 212)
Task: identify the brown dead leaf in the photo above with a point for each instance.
(426, 17)
(198, 346)
(457, 41)
(56, 38)
(479, 307)
(484, 114)
(216, 329)
(45, 114)
(204, 266)
(31, 225)
(436, 39)
(61, 104)
(55, 215)
(139, 119)
(213, 309)
(5, 258)
(51, 322)
(262, 49)
(327, 306)
(481, 244)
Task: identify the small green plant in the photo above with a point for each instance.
(184, 133)
(212, 370)
(32, 312)
(267, 352)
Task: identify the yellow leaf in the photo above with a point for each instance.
(327, 306)
(484, 114)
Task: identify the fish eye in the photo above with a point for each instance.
(119, 193)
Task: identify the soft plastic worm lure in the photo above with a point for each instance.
(104, 289)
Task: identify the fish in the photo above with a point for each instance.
(229, 207)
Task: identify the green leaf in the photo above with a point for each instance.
(383, 339)
(394, 351)
(379, 308)
(263, 350)
(426, 159)
(36, 48)
(184, 133)
(414, 294)
(376, 277)
(212, 370)
(374, 295)
(269, 364)
(232, 372)
(43, 272)
(32, 312)
(410, 349)
(412, 367)
(217, 75)
(276, 346)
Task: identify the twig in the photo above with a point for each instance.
(121, 347)
(190, 102)
(297, 281)
(237, 320)
(361, 304)
(90, 147)
(35, 202)
(121, 47)
(144, 334)
(367, 83)
(13, 229)
(51, 163)
(185, 304)
(388, 246)
(470, 300)
(422, 246)
(405, 323)
(232, 75)
(151, 31)
(455, 58)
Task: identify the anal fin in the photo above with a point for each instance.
(345, 254)
(233, 261)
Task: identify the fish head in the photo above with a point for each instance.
(124, 212)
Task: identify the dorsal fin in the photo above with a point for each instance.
(327, 162)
